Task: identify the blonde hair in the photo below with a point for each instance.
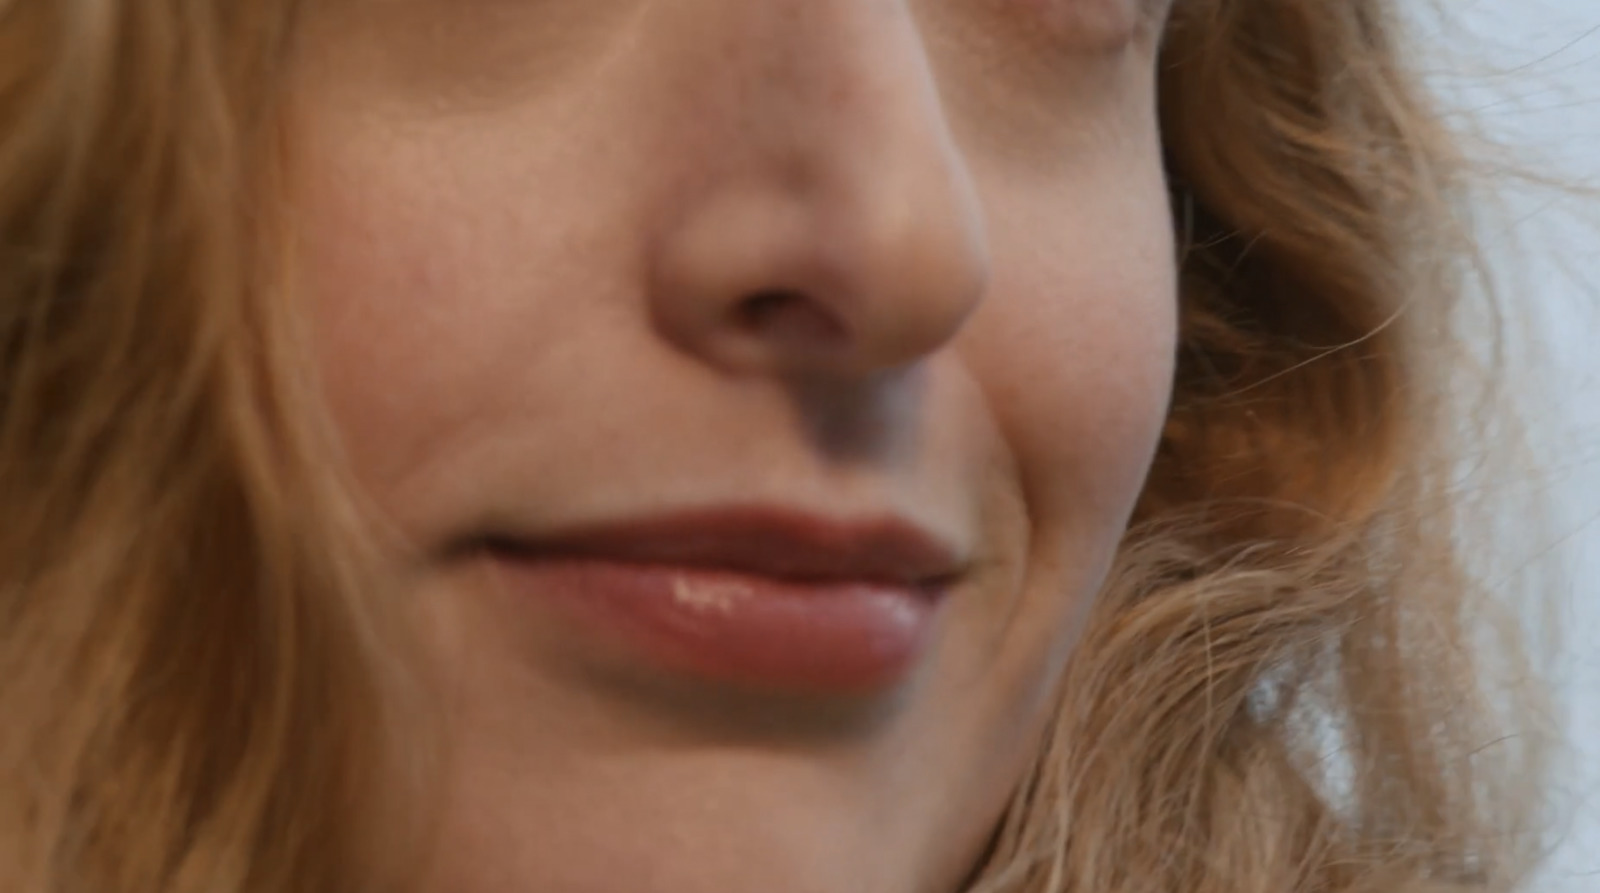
(196, 698)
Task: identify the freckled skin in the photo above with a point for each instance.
(542, 242)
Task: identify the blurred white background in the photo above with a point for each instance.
(1530, 71)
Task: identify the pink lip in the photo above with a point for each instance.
(755, 597)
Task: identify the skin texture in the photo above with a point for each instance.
(529, 230)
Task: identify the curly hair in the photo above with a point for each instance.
(196, 700)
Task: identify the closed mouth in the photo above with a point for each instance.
(760, 541)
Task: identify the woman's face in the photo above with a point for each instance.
(756, 390)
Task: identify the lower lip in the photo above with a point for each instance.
(840, 637)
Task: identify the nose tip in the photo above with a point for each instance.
(832, 227)
(766, 281)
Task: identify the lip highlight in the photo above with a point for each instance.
(753, 597)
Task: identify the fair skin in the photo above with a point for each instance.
(541, 240)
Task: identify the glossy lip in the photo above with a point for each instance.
(756, 597)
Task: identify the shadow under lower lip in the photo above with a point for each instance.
(821, 638)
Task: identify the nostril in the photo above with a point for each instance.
(788, 316)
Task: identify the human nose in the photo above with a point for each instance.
(830, 227)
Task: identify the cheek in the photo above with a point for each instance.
(1074, 355)
(1107, 24)
(415, 270)
(390, 367)
(1076, 351)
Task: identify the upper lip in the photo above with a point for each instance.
(758, 540)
